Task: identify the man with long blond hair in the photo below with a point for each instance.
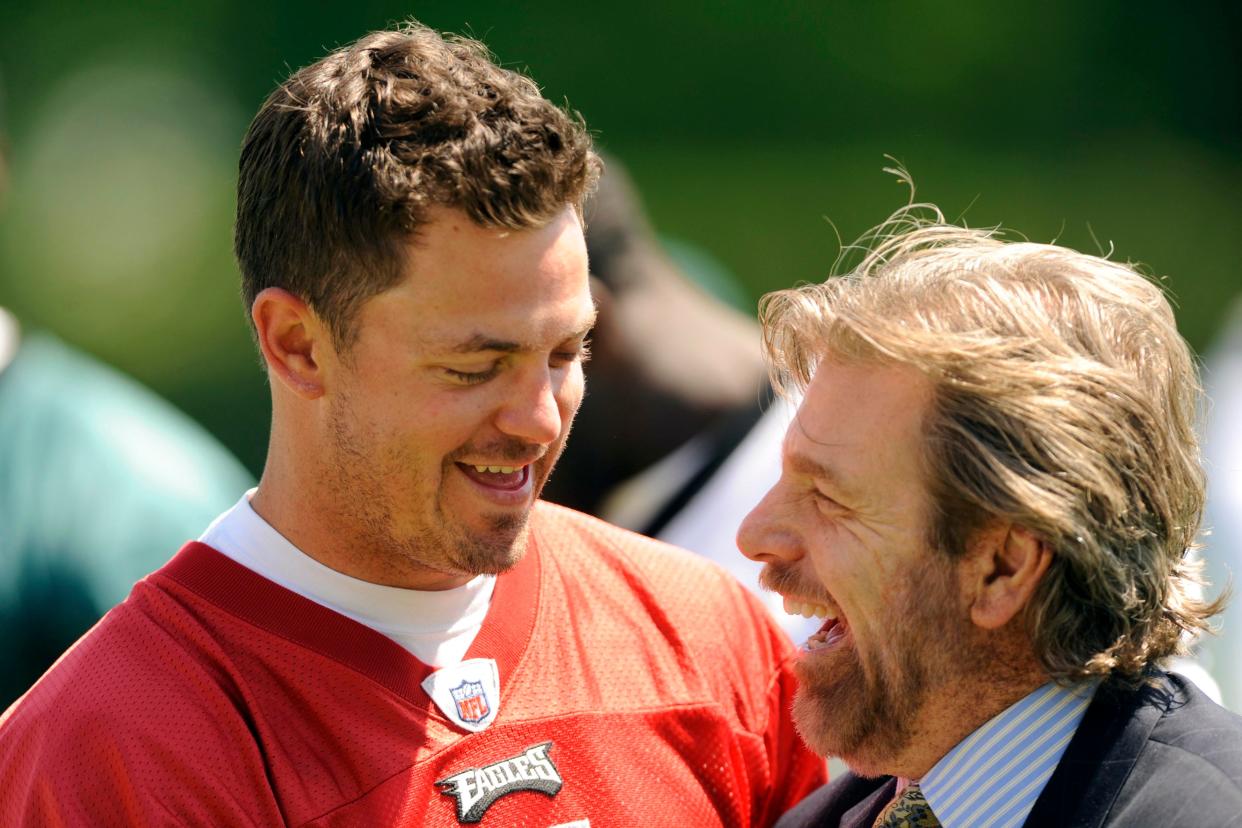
(988, 494)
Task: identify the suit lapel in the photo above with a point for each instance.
(1083, 788)
(864, 813)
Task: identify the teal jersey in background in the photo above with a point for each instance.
(101, 481)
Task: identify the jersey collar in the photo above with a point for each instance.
(241, 592)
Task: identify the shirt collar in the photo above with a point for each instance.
(996, 773)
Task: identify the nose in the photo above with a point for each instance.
(764, 535)
(534, 412)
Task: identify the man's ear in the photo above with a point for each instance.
(1006, 564)
(293, 341)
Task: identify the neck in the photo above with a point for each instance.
(946, 722)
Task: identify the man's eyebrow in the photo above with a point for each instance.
(484, 343)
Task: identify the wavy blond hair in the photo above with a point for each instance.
(1064, 400)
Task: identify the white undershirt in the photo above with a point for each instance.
(436, 626)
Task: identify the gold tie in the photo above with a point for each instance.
(910, 810)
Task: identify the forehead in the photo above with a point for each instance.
(463, 284)
(860, 426)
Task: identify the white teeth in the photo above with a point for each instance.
(808, 610)
(496, 469)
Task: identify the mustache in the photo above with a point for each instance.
(514, 452)
(787, 579)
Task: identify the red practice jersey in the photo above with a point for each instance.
(639, 686)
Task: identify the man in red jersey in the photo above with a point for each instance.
(390, 629)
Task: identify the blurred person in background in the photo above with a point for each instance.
(678, 436)
(99, 480)
(391, 629)
(991, 492)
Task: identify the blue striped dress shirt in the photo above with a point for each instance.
(993, 777)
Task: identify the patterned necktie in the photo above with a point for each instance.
(910, 810)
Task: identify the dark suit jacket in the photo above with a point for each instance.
(1163, 755)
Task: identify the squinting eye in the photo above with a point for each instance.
(825, 501)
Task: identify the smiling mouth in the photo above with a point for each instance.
(504, 478)
(830, 633)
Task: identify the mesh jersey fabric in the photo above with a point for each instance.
(212, 696)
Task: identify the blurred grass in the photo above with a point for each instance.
(768, 212)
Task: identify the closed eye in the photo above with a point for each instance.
(471, 377)
(826, 502)
(581, 353)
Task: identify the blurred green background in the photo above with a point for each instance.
(747, 125)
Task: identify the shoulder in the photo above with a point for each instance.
(134, 711)
(143, 662)
(139, 718)
(663, 606)
(1159, 754)
(1170, 724)
(659, 629)
(1199, 736)
(1189, 770)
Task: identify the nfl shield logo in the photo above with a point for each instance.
(471, 701)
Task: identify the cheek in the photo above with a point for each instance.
(836, 552)
(853, 575)
(570, 392)
(432, 423)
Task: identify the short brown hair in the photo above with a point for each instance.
(1065, 401)
(345, 158)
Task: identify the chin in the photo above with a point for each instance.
(865, 717)
(495, 550)
(847, 732)
(822, 728)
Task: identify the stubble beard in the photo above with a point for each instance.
(495, 550)
(373, 489)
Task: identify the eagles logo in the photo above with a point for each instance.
(476, 789)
